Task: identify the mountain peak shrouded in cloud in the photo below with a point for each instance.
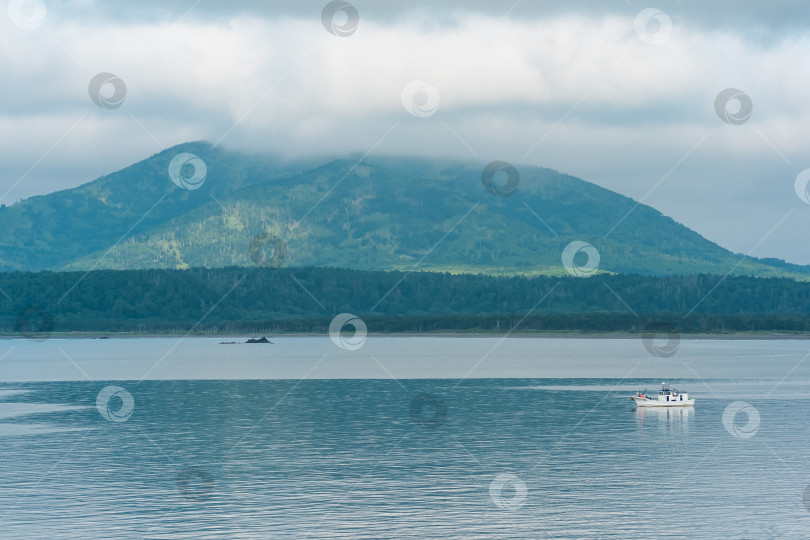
(196, 205)
(612, 92)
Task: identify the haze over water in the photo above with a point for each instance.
(238, 446)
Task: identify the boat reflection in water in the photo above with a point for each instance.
(664, 418)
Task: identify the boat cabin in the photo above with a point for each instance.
(667, 393)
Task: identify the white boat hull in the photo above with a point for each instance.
(644, 402)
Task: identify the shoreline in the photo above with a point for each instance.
(766, 335)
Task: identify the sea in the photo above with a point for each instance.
(402, 437)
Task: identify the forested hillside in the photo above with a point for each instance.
(376, 214)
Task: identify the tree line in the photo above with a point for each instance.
(306, 299)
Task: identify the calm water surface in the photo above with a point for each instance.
(403, 438)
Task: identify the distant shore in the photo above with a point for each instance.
(523, 334)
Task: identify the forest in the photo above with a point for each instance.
(268, 300)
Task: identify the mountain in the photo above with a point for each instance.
(373, 213)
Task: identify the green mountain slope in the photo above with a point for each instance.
(383, 213)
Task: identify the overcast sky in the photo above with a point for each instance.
(620, 93)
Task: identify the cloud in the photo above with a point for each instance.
(553, 84)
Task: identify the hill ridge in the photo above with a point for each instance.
(376, 213)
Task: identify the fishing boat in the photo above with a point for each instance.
(667, 397)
